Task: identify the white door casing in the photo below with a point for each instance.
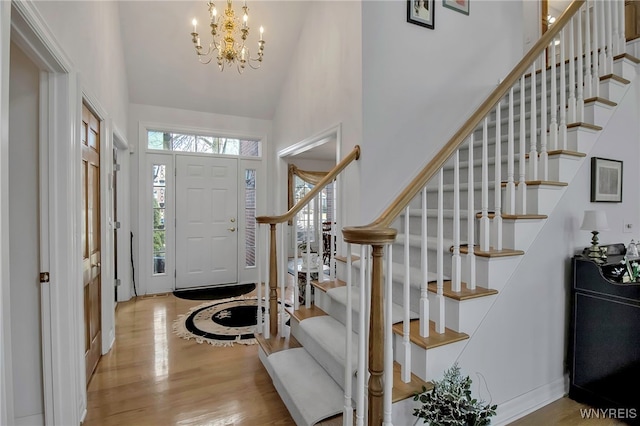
(206, 221)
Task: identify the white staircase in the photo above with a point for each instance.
(458, 242)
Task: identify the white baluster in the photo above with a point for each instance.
(456, 269)
(595, 75)
(318, 215)
(484, 206)
(553, 125)
(533, 121)
(424, 291)
(588, 78)
(334, 233)
(307, 290)
(440, 256)
(471, 220)
(267, 309)
(366, 259)
(571, 113)
(622, 43)
(543, 159)
(388, 344)
(406, 319)
(522, 186)
(580, 73)
(259, 284)
(347, 413)
(562, 128)
(282, 277)
(511, 186)
(362, 332)
(295, 269)
(616, 29)
(608, 35)
(497, 219)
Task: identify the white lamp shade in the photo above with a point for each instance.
(594, 220)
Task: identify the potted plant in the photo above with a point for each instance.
(450, 403)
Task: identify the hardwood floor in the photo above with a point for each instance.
(153, 377)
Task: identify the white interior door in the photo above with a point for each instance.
(206, 221)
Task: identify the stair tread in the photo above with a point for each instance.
(581, 124)
(341, 258)
(277, 344)
(293, 371)
(627, 56)
(598, 99)
(464, 293)
(303, 313)
(539, 183)
(562, 152)
(492, 215)
(616, 78)
(403, 390)
(328, 285)
(435, 339)
(491, 253)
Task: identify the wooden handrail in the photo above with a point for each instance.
(363, 234)
(331, 175)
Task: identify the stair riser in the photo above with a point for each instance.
(490, 273)
(625, 68)
(597, 113)
(613, 90)
(428, 364)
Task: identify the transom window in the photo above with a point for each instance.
(202, 144)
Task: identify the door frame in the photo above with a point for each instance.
(61, 95)
(143, 269)
(311, 142)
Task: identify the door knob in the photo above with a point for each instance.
(231, 229)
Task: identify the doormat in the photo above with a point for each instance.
(215, 293)
(220, 323)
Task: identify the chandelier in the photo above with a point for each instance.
(228, 36)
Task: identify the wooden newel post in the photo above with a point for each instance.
(376, 339)
(273, 284)
(377, 237)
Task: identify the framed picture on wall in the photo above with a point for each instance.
(421, 12)
(461, 6)
(606, 180)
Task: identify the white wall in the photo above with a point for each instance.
(521, 344)
(24, 237)
(419, 85)
(323, 89)
(89, 33)
(183, 119)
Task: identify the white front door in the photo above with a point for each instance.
(206, 221)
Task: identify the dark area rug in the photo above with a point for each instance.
(215, 293)
(220, 322)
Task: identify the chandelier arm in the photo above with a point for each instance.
(204, 62)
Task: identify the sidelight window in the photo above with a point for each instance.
(159, 231)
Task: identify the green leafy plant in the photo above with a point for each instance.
(450, 403)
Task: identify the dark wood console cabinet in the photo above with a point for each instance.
(604, 341)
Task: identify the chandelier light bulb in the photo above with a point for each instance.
(195, 25)
(214, 12)
(261, 32)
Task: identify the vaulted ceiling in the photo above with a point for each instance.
(163, 69)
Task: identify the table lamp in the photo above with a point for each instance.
(594, 221)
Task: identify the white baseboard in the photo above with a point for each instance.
(34, 420)
(529, 402)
